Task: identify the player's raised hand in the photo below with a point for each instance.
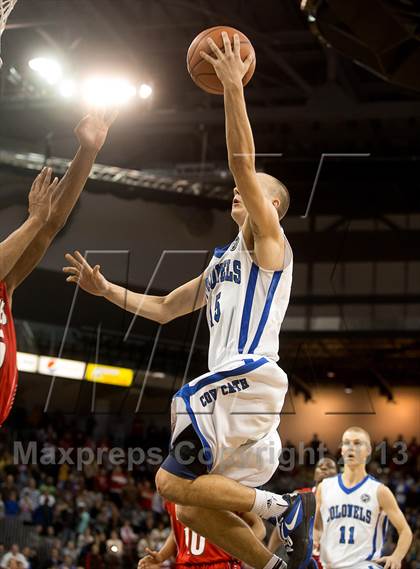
(228, 64)
(389, 562)
(89, 279)
(41, 195)
(92, 130)
(151, 561)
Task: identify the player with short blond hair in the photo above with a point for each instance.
(353, 509)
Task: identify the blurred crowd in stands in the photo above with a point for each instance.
(57, 516)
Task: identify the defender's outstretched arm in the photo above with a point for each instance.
(91, 133)
(14, 246)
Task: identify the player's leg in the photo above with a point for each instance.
(216, 492)
(228, 531)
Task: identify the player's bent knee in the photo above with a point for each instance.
(162, 485)
(168, 486)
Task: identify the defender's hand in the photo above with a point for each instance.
(41, 195)
(229, 67)
(150, 561)
(81, 273)
(92, 130)
(389, 562)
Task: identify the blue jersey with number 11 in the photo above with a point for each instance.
(353, 524)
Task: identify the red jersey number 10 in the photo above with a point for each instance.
(194, 542)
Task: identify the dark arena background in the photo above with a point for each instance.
(334, 105)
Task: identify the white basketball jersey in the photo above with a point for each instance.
(354, 527)
(245, 304)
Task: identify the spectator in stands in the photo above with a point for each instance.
(32, 557)
(84, 539)
(146, 494)
(128, 536)
(32, 493)
(67, 563)
(93, 559)
(25, 509)
(15, 557)
(118, 481)
(101, 481)
(11, 505)
(43, 515)
(130, 493)
(8, 485)
(70, 551)
(54, 561)
(83, 518)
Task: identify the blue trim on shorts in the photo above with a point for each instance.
(171, 465)
(207, 455)
(188, 390)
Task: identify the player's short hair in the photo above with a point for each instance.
(359, 430)
(277, 190)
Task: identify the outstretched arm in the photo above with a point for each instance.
(263, 217)
(91, 133)
(389, 505)
(183, 300)
(13, 248)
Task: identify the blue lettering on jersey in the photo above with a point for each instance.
(350, 511)
(227, 388)
(224, 271)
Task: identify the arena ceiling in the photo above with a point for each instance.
(304, 100)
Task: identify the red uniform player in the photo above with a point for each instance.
(187, 548)
(50, 204)
(8, 365)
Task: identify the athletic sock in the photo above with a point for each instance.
(275, 563)
(268, 505)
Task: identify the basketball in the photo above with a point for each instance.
(201, 71)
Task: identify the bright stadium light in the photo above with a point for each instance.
(67, 88)
(48, 69)
(145, 91)
(104, 91)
